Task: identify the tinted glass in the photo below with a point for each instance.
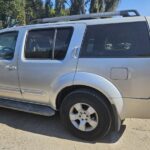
(7, 44)
(62, 42)
(39, 44)
(116, 40)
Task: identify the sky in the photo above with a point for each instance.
(143, 6)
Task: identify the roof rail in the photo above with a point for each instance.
(123, 13)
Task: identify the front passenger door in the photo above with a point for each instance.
(9, 86)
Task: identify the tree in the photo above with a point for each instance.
(59, 7)
(111, 5)
(24, 11)
(79, 6)
(103, 5)
(94, 6)
(76, 6)
(48, 7)
(19, 12)
(33, 9)
(12, 11)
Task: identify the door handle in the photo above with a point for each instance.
(75, 52)
(11, 68)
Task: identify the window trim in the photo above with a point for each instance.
(105, 57)
(53, 49)
(6, 32)
(26, 39)
(54, 44)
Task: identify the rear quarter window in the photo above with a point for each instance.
(116, 40)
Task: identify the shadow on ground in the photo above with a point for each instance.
(48, 126)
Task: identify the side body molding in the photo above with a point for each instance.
(104, 86)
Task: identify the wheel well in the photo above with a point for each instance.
(69, 89)
(113, 111)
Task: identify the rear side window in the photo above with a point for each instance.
(39, 44)
(62, 42)
(48, 43)
(116, 40)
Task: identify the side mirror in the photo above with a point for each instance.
(7, 53)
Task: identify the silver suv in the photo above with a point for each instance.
(93, 69)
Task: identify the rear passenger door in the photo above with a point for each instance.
(120, 52)
(47, 56)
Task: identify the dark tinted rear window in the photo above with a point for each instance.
(62, 42)
(48, 43)
(39, 44)
(116, 40)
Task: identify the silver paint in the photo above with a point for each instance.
(124, 81)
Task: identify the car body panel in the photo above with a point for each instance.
(136, 108)
(148, 21)
(103, 85)
(138, 72)
(123, 80)
(37, 77)
(9, 83)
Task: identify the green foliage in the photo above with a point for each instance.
(103, 5)
(24, 11)
(59, 7)
(12, 11)
(95, 6)
(33, 9)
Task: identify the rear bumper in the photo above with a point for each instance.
(136, 108)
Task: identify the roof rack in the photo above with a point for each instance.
(123, 13)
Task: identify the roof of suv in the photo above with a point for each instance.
(88, 19)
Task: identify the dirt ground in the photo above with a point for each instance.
(22, 131)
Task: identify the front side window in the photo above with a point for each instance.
(7, 44)
(116, 40)
(48, 43)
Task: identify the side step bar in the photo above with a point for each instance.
(27, 107)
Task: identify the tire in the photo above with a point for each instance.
(76, 114)
(122, 121)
